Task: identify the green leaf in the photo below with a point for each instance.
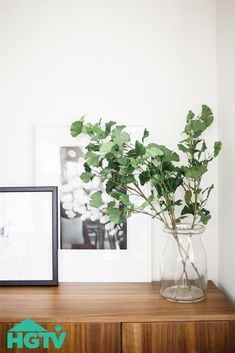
(122, 138)
(115, 214)
(204, 216)
(139, 148)
(195, 172)
(183, 148)
(188, 196)
(92, 159)
(155, 179)
(93, 147)
(144, 177)
(153, 150)
(134, 162)
(131, 153)
(96, 199)
(124, 198)
(168, 155)
(118, 136)
(207, 115)
(145, 135)
(107, 171)
(159, 188)
(106, 148)
(187, 210)
(217, 148)
(198, 127)
(76, 128)
(199, 124)
(190, 116)
(175, 157)
(86, 177)
(173, 183)
(115, 194)
(119, 128)
(86, 167)
(88, 128)
(129, 179)
(108, 127)
(123, 161)
(98, 131)
(110, 186)
(167, 166)
(130, 169)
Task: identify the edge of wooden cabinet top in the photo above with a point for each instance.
(107, 302)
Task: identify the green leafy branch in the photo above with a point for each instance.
(198, 158)
(149, 172)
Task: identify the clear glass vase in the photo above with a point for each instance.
(183, 265)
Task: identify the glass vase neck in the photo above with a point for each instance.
(185, 228)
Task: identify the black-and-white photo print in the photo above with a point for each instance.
(83, 226)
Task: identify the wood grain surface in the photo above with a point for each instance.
(82, 338)
(107, 302)
(187, 337)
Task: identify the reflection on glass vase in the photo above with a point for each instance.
(183, 266)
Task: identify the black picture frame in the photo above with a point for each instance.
(54, 234)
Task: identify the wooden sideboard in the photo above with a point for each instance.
(120, 317)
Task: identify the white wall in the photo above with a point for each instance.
(226, 109)
(142, 62)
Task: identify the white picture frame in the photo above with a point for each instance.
(130, 265)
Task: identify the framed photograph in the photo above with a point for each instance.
(28, 235)
(89, 249)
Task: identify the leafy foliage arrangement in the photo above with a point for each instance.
(168, 190)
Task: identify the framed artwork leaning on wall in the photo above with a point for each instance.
(90, 250)
(28, 235)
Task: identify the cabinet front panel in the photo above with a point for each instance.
(80, 338)
(95, 338)
(177, 337)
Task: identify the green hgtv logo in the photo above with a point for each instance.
(31, 335)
